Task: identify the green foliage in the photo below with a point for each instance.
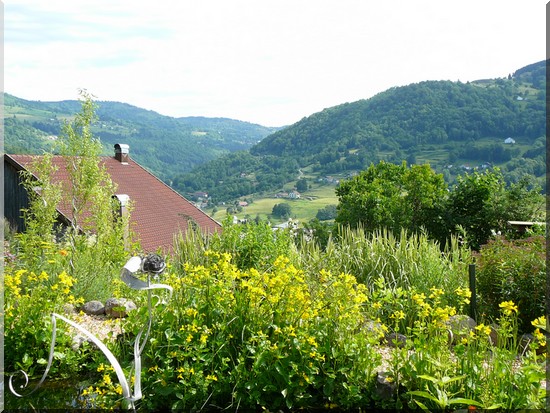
(248, 339)
(298, 331)
(165, 145)
(416, 199)
(477, 205)
(513, 271)
(282, 210)
(34, 288)
(327, 213)
(253, 245)
(302, 185)
(291, 339)
(44, 195)
(95, 239)
(392, 196)
(318, 231)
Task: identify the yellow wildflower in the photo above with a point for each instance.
(419, 298)
(508, 307)
(436, 292)
(540, 337)
(465, 293)
(107, 379)
(540, 322)
(398, 315)
(482, 328)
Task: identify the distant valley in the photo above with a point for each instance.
(455, 127)
(165, 145)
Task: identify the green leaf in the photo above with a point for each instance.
(430, 378)
(461, 400)
(424, 394)
(422, 406)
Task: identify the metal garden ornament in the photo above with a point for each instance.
(151, 265)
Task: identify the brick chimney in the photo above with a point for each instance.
(121, 153)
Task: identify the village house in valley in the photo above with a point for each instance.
(158, 212)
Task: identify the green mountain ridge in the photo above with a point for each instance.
(165, 145)
(453, 126)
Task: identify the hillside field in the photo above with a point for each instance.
(303, 209)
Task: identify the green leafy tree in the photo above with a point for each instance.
(394, 197)
(282, 210)
(481, 203)
(96, 235)
(326, 213)
(476, 204)
(302, 185)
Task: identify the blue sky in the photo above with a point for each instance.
(270, 62)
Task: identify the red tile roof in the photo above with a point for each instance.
(158, 212)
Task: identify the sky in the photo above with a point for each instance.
(270, 62)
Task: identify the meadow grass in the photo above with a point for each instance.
(302, 210)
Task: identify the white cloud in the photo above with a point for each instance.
(271, 61)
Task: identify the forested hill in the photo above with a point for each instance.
(453, 126)
(167, 146)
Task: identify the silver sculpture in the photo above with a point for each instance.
(151, 265)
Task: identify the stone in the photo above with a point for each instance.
(119, 307)
(374, 328)
(460, 326)
(68, 308)
(385, 388)
(93, 308)
(395, 340)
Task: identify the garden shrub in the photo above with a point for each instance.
(31, 295)
(253, 245)
(287, 340)
(513, 270)
(245, 339)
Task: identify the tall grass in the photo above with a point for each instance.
(404, 261)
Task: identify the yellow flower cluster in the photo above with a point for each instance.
(540, 323)
(465, 294)
(12, 283)
(508, 307)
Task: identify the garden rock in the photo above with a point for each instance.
(460, 326)
(77, 341)
(119, 307)
(68, 308)
(93, 308)
(374, 328)
(395, 340)
(385, 389)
